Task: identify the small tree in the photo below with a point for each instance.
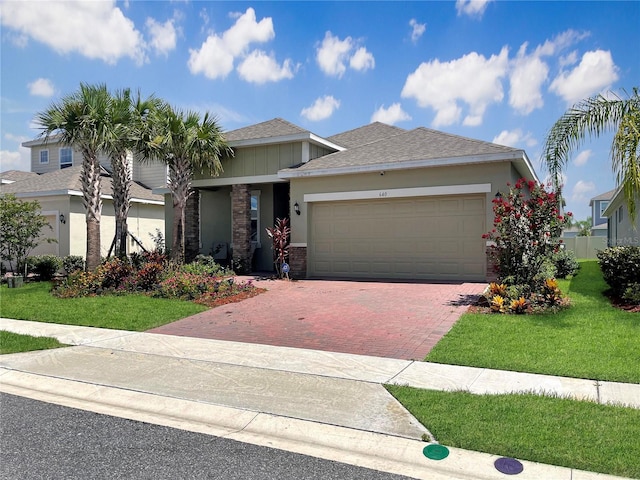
(279, 234)
(527, 228)
(21, 226)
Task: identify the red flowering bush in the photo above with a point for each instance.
(527, 228)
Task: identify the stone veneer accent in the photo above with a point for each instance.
(298, 262)
(192, 227)
(492, 276)
(241, 228)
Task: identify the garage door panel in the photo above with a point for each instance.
(419, 238)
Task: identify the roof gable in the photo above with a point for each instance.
(271, 128)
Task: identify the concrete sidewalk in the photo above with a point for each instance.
(324, 404)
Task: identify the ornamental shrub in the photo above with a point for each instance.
(620, 267)
(72, 263)
(45, 266)
(565, 263)
(526, 232)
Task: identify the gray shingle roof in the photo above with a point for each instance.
(604, 196)
(418, 144)
(16, 175)
(271, 128)
(69, 179)
(366, 134)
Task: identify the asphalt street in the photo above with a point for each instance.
(46, 441)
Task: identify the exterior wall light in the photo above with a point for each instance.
(498, 196)
(296, 208)
(62, 219)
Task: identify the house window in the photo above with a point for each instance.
(620, 215)
(255, 217)
(44, 157)
(66, 157)
(603, 207)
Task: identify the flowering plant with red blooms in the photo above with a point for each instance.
(527, 227)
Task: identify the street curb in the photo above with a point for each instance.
(381, 452)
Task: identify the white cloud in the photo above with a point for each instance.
(258, 67)
(163, 36)
(96, 30)
(595, 72)
(570, 58)
(471, 79)
(514, 138)
(582, 158)
(391, 115)
(473, 8)
(582, 191)
(333, 54)
(42, 87)
(417, 29)
(217, 54)
(528, 74)
(362, 60)
(321, 109)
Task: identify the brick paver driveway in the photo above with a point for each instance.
(394, 320)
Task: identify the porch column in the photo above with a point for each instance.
(241, 228)
(192, 227)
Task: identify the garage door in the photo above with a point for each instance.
(433, 238)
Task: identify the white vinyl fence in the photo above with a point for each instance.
(585, 247)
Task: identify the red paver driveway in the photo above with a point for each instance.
(394, 320)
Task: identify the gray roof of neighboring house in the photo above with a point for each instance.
(414, 145)
(11, 176)
(367, 134)
(69, 179)
(271, 128)
(603, 196)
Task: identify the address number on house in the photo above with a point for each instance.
(383, 194)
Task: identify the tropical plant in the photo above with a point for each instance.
(279, 235)
(592, 117)
(185, 143)
(80, 120)
(45, 266)
(21, 227)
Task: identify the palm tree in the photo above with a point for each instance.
(185, 143)
(81, 119)
(593, 117)
(127, 116)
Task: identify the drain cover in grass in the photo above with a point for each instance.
(508, 466)
(435, 451)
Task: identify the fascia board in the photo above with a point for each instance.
(296, 137)
(225, 181)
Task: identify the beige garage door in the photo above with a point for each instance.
(434, 238)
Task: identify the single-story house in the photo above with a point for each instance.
(59, 193)
(598, 205)
(374, 202)
(621, 230)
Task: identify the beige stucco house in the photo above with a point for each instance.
(374, 202)
(54, 181)
(621, 230)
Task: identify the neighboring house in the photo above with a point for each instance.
(55, 182)
(571, 232)
(374, 202)
(621, 230)
(598, 218)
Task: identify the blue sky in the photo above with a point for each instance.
(499, 71)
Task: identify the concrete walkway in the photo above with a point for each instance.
(324, 404)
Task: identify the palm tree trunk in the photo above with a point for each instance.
(121, 186)
(180, 185)
(90, 178)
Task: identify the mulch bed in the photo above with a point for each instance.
(623, 304)
(216, 302)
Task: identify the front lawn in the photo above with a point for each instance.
(13, 343)
(556, 431)
(591, 339)
(34, 302)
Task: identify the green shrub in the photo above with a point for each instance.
(632, 294)
(72, 263)
(45, 266)
(620, 267)
(113, 272)
(565, 262)
(205, 265)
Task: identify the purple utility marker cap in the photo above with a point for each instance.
(508, 466)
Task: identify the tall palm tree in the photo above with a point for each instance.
(186, 144)
(81, 119)
(594, 116)
(127, 115)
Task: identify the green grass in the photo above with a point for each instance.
(127, 312)
(14, 343)
(556, 431)
(591, 339)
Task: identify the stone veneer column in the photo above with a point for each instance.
(492, 275)
(241, 228)
(192, 227)
(298, 262)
